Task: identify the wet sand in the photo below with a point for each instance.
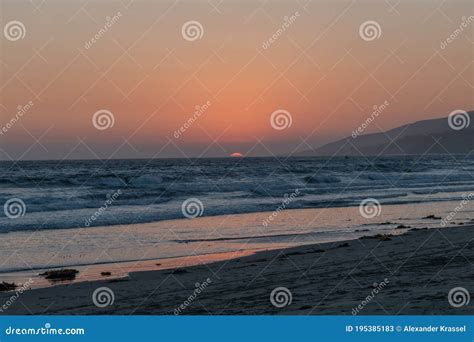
(417, 270)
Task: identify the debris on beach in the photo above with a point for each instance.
(118, 280)
(58, 275)
(4, 286)
(432, 217)
(105, 274)
(381, 237)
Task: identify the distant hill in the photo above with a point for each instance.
(415, 138)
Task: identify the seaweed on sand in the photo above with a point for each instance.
(58, 275)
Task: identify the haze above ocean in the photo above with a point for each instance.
(66, 194)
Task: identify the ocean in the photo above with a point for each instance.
(67, 194)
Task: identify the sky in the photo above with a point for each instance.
(126, 79)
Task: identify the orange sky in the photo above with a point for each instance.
(151, 79)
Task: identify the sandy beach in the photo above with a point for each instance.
(412, 273)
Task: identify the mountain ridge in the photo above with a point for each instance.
(431, 136)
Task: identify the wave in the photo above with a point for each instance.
(322, 179)
(64, 194)
(146, 181)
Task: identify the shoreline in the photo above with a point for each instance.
(184, 238)
(267, 211)
(323, 278)
(120, 269)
